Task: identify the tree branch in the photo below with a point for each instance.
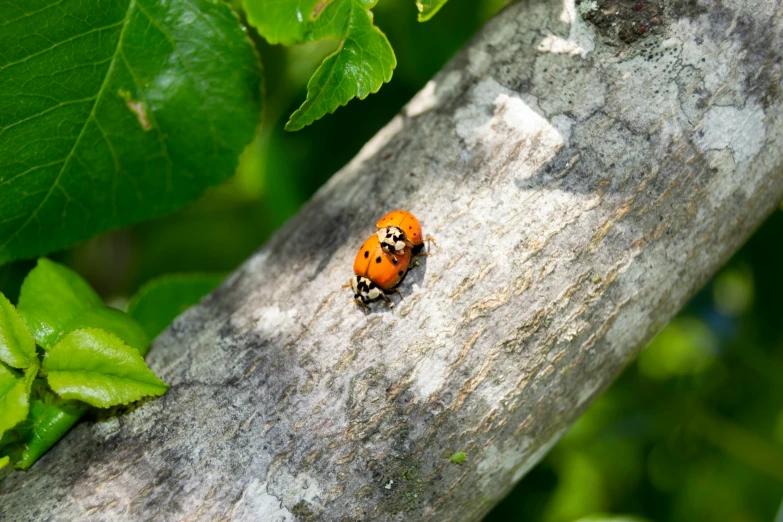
(580, 187)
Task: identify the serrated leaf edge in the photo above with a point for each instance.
(134, 353)
(292, 126)
(86, 306)
(31, 358)
(125, 380)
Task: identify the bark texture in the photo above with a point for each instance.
(580, 187)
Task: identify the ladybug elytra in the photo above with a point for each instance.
(377, 272)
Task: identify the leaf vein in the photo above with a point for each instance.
(46, 111)
(31, 169)
(102, 89)
(58, 44)
(32, 13)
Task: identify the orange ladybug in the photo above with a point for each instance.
(398, 230)
(377, 272)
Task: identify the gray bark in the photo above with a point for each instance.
(581, 186)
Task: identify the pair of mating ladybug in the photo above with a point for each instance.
(385, 257)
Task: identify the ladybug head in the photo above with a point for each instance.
(364, 290)
(392, 239)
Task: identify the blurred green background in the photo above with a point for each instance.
(693, 431)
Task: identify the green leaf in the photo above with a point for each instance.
(428, 8)
(15, 396)
(50, 419)
(116, 111)
(17, 346)
(159, 301)
(287, 22)
(51, 297)
(3, 462)
(114, 321)
(55, 300)
(361, 64)
(98, 368)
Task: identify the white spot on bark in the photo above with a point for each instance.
(587, 7)
(740, 130)
(476, 112)
(509, 116)
(430, 376)
(425, 100)
(580, 38)
(570, 334)
(558, 45)
(271, 318)
(297, 488)
(389, 485)
(257, 504)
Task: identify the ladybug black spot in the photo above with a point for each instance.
(366, 254)
(394, 260)
(378, 259)
(399, 273)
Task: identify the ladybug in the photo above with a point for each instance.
(399, 229)
(377, 272)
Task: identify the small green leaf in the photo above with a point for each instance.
(458, 457)
(51, 296)
(55, 300)
(428, 8)
(17, 346)
(363, 61)
(286, 22)
(50, 419)
(159, 301)
(3, 462)
(97, 367)
(15, 396)
(116, 322)
(114, 112)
